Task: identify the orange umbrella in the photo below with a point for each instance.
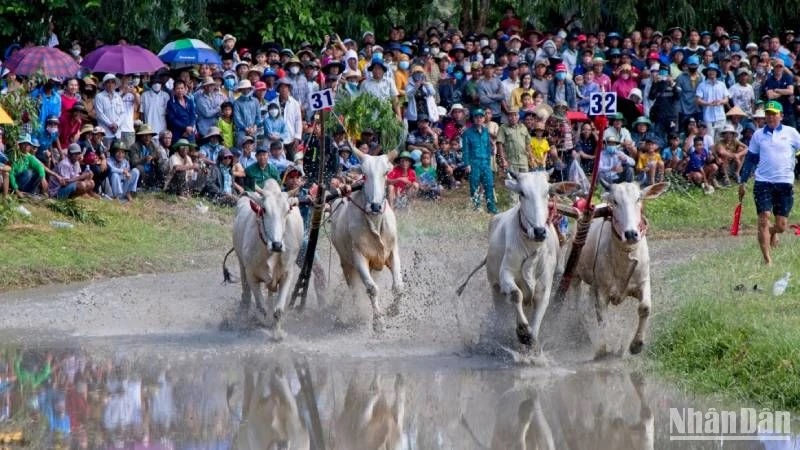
(5, 119)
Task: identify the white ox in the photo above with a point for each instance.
(523, 250)
(364, 231)
(615, 260)
(267, 235)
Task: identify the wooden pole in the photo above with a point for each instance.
(301, 287)
(585, 220)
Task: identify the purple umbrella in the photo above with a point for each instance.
(45, 61)
(122, 59)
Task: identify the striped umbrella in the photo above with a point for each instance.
(122, 59)
(189, 51)
(45, 61)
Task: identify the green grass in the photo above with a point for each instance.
(153, 233)
(745, 345)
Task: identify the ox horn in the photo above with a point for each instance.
(392, 155)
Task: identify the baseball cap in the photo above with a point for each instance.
(773, 106)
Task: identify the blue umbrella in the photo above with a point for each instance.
(189, 51)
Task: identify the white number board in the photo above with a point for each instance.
(603, 104)
(322, 99)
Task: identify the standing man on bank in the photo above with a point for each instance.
(512, 143)
(476, 148)
(772, 155)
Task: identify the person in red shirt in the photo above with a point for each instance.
(70, 124)
(402, 180)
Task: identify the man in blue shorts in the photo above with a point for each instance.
(772, 155)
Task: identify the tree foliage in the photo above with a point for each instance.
(155, 22)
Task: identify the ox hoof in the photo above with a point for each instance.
(524, 335)
(277, 315)
(636, 347)
(372, 291)
(278, 334)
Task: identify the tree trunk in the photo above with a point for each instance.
(466, 15)
(483, 14)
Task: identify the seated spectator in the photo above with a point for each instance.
(347, 160)
(424, 137)
(729, 154)
(145, 157)
(650, 165)
(584, 88)
(425, 172)
(450, 169)
(227, 189)
(28, 174)
(615, 166)
(277, 157)
(637, 98)
(700, 168)
(455, 122)
(248, 146)
(181, 170)
(673, 155)
(5, 170)
(257, 174)
(74, 181)
(402, 181)
(643, 130)
(212, 146)
(123, 178)
(618, 133)
(49, 148)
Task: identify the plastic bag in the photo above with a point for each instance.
(577, 175)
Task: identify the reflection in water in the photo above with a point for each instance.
(69, 399)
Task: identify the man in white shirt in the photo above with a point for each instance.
(130, 104)
(154, 107)
(292, 115)
(380, 86)
(712, 94)
(109, 108)
(772, 154)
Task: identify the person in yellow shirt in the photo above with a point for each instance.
(540, 148)
(401, 75)
(525, 87)
(650, 164)
(225, 124)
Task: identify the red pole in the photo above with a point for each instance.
(585, 220)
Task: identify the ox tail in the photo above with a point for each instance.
(226, 274)
(463, 286)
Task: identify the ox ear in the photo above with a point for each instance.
(564, 188)
(258, 209)
(654, 190)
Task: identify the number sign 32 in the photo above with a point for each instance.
(603, 103)
(322, 99)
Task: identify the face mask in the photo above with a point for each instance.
(610, 149)
(294, 70)
(663, 74)
(248, 94)
(377, 55)
(136, 82)
(273, 113)
(156, 87)
(625, 76)
(75, 52)
(403, 65)
(52, 130)
(314, 74)
(561, 76)
(458, 75)
(417, 77)
(484, 42)
(353, 86)
(735, 47)
(230, 83)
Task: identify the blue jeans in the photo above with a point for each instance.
(481, 174)
(28, 181)
(120, 186)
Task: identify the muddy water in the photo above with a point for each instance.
(141, 363)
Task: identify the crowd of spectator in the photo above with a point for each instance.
(689, 99)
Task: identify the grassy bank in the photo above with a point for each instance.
(153, 233)
(745, 344)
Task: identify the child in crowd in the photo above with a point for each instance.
(650, 164)
(429, 186)
(225, 124)
(700, 167)
(673, 155)
(402, 181)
